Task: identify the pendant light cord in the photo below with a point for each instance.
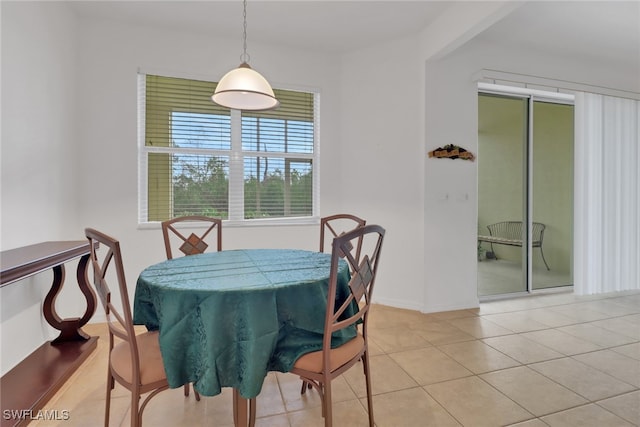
(245, 56)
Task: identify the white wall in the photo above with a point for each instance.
(381, 136)
(451, 117)
(70, 111)
(363, 160)
(39, 160)
(40, 163)
(380, 116)
(110, 55)
(450, 208)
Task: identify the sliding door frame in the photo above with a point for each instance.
(532, 96)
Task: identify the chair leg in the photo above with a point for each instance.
(195, 393)
(367, 377)
(326, 404)
(251, 420)
(252, 412)
(305, 385)
(110, 384)
(135, 412)
(545, 261)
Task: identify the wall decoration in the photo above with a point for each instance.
(451, 151)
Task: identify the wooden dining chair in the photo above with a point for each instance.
(319, 368)
(192, 244)
(135, 361)
(336, 225)
(331, 227)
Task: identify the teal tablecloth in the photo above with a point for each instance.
(227, 318)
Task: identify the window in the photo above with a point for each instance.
(198, 158)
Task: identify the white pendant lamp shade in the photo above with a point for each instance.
(244, 89)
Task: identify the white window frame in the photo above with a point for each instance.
(236, 163)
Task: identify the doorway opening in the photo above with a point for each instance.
(525, 190)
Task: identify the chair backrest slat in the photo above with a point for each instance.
(193, 243)
(538, 231)
(514, 230)
(337, 225)
(363, 267)
(106, 266)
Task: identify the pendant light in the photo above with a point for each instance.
(244, 88)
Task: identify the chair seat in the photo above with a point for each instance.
(312, 362)
(151, 366)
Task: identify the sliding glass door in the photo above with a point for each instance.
(552, 194)
(502, 147)
(525, 188)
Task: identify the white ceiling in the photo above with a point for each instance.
(329, 25)
(606, 30)
(601, 30)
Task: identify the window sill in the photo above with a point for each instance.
(266, 222)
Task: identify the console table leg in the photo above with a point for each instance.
(87, 290)
(36, 379)
(70, 328)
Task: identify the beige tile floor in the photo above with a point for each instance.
(546, 360)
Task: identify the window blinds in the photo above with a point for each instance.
(198, 158)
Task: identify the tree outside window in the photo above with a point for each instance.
(198, 158)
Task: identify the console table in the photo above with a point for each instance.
(30, 384)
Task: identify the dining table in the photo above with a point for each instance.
(227, 318)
